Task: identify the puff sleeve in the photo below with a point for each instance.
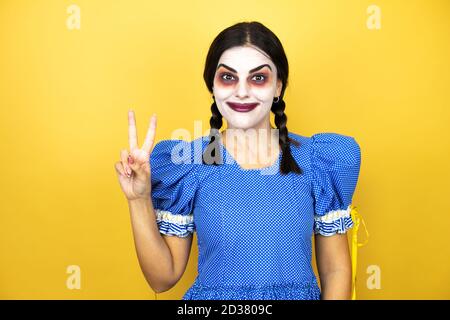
(335, 165)
(174, 184)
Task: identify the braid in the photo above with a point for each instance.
(288, 163)
(216, 123)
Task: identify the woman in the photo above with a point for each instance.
(254, 220)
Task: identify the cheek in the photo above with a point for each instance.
(222, 91)
(263, 93)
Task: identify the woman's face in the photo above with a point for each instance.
(245, 75)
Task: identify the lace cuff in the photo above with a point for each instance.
(336, 221)
(174, 224)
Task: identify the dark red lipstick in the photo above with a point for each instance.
(242, 107)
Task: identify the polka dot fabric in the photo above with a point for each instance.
(255, 226)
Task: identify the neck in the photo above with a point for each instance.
(256, 145)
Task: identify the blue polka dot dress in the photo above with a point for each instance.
(255, 226)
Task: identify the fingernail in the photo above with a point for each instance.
(128, 171)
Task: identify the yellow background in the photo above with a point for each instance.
(64, 96)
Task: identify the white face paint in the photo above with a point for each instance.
(245, 86)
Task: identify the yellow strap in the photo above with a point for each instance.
(356, 217)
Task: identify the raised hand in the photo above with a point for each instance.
(133, 169)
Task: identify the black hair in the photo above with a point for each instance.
(257, 35)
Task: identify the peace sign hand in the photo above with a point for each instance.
(134, 170)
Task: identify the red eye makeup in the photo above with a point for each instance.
(227, 78)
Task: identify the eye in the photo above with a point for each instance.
(260, 77)
(227, 77)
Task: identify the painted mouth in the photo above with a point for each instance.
(242, 107)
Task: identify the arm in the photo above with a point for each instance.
(154, 256)
(334, 266)
(162, 260)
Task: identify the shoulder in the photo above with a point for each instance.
(166, 145)
(179, 150)
(326, 147)
(296, 137)
(335, 146)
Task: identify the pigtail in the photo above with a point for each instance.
(216, 123)
(288, 162)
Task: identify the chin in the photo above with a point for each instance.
(243, 125)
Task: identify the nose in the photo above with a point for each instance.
(242, 90)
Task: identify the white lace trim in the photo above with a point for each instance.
(333, 215)
(167, 216)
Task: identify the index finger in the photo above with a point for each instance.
(150, 134)
(132, 136)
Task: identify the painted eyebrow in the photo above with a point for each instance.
(253, 70)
